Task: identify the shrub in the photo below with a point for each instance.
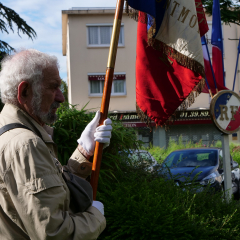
(141, 205)
(71, 123)
(235, 152)
(68, 128)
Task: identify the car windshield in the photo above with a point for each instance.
(191, 158)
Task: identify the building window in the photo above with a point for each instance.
(96, 84)
(100, 35)
(96, 87)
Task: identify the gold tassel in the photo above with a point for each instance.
(183, 106)
(143, 117)
(179, 57)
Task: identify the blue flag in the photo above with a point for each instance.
(154, 8)
(217, 42)
(236, 65)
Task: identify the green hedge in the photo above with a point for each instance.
(71, 123)
(140, 205)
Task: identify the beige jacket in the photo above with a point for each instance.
(34, 199)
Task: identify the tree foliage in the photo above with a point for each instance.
(9, 18)
(64, 89)
(230, 10)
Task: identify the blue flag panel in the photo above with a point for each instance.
(155, 8)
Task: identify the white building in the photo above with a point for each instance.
(86, 36)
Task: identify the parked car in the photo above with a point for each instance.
(139, 156)
(202, 165)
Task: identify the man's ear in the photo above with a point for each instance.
(24, 89)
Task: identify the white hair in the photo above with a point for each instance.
(25, 65)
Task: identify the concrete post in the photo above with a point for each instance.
(227, 167)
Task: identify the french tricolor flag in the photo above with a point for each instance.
(169, 61)
(217, 42)
(213, 83)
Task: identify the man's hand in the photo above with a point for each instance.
(93, 133)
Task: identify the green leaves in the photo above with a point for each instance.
(64, 89)
(141, 205)
(8, 18)
(230, 11)
(69, 127)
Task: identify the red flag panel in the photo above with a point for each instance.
(162, 84)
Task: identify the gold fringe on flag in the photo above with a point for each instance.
(183, 106)
(162, 47)
(169, 52)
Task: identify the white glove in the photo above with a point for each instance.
(93, 133)
(99, 206)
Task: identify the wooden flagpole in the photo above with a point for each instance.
(210, 93)
(107, 92)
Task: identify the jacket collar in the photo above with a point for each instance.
(17, 115)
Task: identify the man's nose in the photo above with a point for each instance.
(59, 96)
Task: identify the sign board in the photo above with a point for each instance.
(101, 77)
(225, 111)
(193, 114)
(203, 114)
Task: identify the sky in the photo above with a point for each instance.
(45, 17)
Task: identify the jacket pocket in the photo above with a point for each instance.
(44, 182)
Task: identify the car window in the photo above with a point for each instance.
(202, 156)
(169, 160)
(192, 158)
(181, 157)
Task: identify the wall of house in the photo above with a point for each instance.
(84, 60)
(95, 60)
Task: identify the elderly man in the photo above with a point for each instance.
(34, 198)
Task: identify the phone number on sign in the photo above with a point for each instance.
(194, 114)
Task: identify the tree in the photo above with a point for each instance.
(9, 18)
(64, 89)
(230, 10)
